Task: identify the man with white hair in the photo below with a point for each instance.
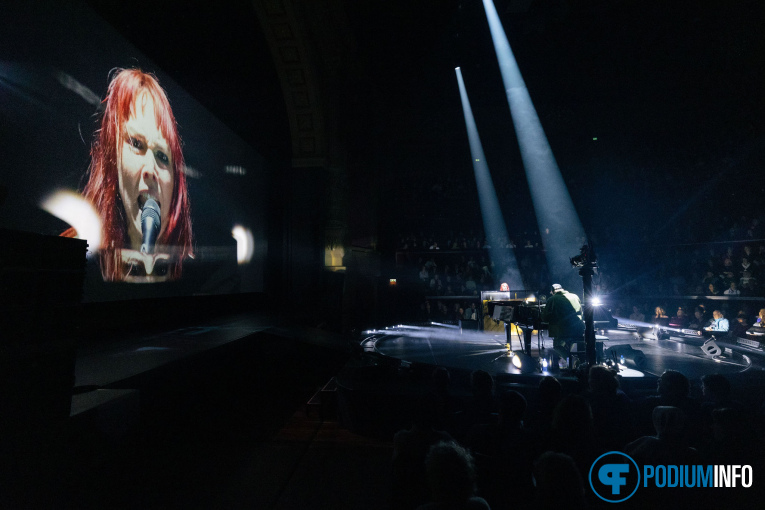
(563, 313)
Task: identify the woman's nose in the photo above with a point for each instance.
(150, 165)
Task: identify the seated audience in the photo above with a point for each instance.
(709, 279)
(747, 280)
(720, 323)
(572, 431)
(482, 408)
(673, 389)
(540, 416)
(716, 392)
(680, 320)
(611, 409)
(731, 441)
(451, 476)
(558, 483)
(760, 322)
(668, 445)
(740, 325)
(637, 315)
(504, 453)
(712, 290)
(660, 316)
(410, 448)
(445, 405)
(732, 290)
(698, 321)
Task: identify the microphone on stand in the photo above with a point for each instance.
(150, 224)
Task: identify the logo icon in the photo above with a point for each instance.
(614, 477)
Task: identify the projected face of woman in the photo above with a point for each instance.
(145, 167)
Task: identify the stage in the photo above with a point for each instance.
(449, 346)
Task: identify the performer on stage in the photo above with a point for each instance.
(563, 313)
(136, 156)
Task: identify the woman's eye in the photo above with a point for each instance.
(135, 143)
(162, 158)
(161, 268)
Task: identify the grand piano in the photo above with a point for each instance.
(526, 314)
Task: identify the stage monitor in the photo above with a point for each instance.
(98, 143)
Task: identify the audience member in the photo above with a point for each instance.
(699, 321)
(637, 315)
(410, 448)
(558, 483)
(451, 477)
(740, 325)
(720, 323)
(442, 397)
(572, 431)
(504, 453)
(660, 317)
(669, 444)
(548, 397)
(716, 392)
(680, 320)
(673, 390)
(611, 409)
(731, 440)
(482, 408)
(760, 322)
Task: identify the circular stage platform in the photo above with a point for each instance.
(450, 347)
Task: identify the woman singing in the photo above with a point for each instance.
(136, 156)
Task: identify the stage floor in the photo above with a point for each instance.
(474, 350)
(134, 353)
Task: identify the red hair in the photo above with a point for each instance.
(102, 189)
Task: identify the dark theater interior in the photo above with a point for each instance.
(382, 254)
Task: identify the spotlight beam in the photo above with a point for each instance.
(493, 223)
(552, 202)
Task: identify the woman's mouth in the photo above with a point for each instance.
(144, 196)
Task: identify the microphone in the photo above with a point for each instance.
(150, 223)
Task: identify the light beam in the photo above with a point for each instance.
(506, 267)
(552, 202)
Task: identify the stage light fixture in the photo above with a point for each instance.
(525, 363)
(633, 358)
(710, 348)
(245, 244)
(79, 213)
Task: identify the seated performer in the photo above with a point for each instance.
(563, 313)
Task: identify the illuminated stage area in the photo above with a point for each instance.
(448, 346)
